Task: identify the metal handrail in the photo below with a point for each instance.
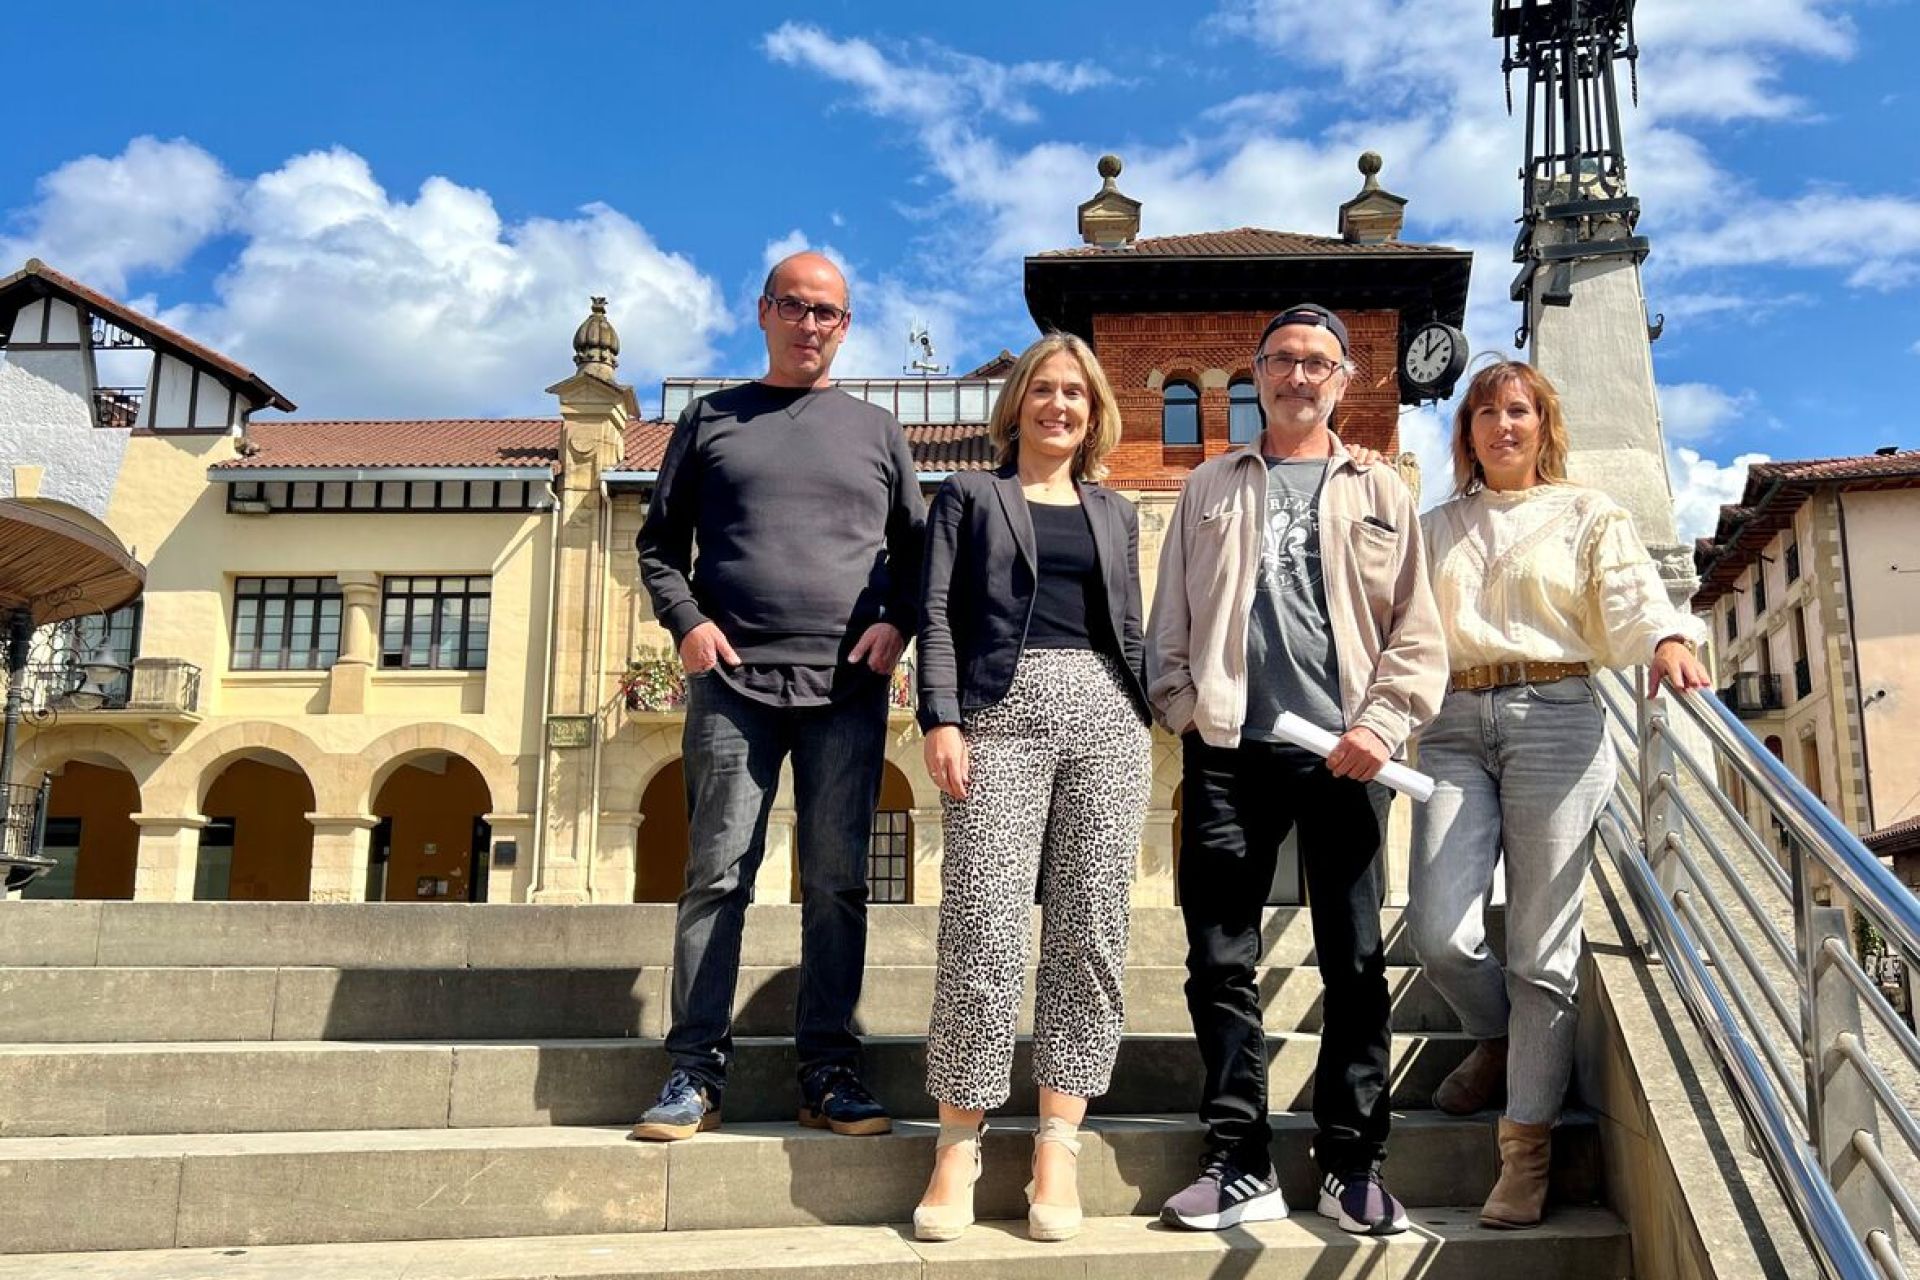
(1802, 1126)
(1809, 1197)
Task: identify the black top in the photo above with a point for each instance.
(979, 592)
(808, 518)
(1067, 595)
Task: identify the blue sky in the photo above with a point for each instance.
(399, 210)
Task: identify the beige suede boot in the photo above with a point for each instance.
(1054, 1221)
(1520, 1196)
(1479, 1082)
(934, 1222)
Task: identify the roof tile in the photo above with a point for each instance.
(1242, 242)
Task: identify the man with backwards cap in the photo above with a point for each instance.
(1292, 579)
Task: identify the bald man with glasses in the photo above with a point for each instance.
(1292, 579)
(782, 551)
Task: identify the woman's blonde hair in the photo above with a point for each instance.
(1103, 415)
(1488, 383)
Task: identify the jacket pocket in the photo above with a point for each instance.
(1374, 551)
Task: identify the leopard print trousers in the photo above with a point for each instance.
(1060, 771)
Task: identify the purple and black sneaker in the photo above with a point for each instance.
(1361, 1204)
(1224, 1196)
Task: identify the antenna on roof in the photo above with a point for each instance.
(920, 357)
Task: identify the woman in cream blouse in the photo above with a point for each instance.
(1540, 583)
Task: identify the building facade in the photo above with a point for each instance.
(411, 660)
(1811, 588)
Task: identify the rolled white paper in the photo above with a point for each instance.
(1312, 737)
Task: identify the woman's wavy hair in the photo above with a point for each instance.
(1103, 415)
(1489, 383)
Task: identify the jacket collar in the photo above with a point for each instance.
(1339, 457)
(1013, 501)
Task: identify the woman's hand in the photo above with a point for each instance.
(946, 755)
(1675, 663)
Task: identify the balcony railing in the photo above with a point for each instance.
(155, 686)
(23, 832)
(118, 406)
(1802, 679)
(1752, 694)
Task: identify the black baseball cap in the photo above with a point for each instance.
(1311, 314)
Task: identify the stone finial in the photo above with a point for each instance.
(1110, 220)
(1376, 214)
(596, 347)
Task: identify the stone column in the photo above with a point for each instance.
(1398, 852)
(510, 882)
(342, 848)
(929, 851)
(615, 857)
(777, 879)
(352, 673)
(1153, 877)
(167, 857)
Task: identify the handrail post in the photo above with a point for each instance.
(1660, 819)
(1839, 1102)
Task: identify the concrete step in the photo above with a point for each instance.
(397, 935)
(414, 1184)
(101, 1004)
(266, 1086)
(1444, 1244)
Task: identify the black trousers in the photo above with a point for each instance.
(1238, 805)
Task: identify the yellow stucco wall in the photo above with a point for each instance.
(1884, 588)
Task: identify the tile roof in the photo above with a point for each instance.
(156, 333)
(1901, 837)
(451, 442)
(1243, 242)
(524, 442)
(1873, 466)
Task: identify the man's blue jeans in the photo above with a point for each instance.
(733, 748)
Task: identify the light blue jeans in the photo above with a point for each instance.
(1521, 771)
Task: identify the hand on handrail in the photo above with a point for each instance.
(1675, 663)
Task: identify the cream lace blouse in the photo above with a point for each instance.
(1555, 573)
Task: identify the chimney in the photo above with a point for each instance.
(1110, 220)
(1375, 215)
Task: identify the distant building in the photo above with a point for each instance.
(411, 659)
(1811, 586)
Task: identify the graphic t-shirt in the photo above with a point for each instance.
(1291, 665)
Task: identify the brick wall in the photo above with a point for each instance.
(1210, 349)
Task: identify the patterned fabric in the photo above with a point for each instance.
(1555, 573)
(1060, 770)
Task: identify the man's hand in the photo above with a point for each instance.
(704, 648)
(880, 645)
(946, 755)
(1360, 754)
(1675, 663)
(1364, 456)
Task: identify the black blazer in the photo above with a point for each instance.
(977, 589)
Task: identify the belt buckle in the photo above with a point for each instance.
(1510, 673)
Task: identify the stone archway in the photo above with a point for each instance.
(660, 853)
(90, 831)
(394, 750)
(431, 837)
(257, 845)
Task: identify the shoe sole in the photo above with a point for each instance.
(1500, 1224)
(645, 1132)
(811, 1119)
(1330, 1208)
(939, 1235)
(1269, 1206)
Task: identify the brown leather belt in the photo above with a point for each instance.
(1500, 675)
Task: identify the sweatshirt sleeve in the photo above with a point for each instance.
(665, 543)
(939, 672)
(1629, 603)
(906, 536)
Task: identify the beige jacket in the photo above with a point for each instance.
(1386, 628)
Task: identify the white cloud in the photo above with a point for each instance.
(1702, 486)
(358, 303)
(1694, 412)
(1877, 238)
(100, 218)
(1255, 109)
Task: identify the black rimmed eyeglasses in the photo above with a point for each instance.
(795, 311)
(1315, 368)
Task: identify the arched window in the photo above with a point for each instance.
(1243, 411)
(1180, 414)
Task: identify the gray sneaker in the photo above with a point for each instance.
(1224, 1196)
(685, 1107)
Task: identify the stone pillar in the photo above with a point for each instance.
(342, 848)
(352, 674)
(1153, 877)
(779, 877)
(615, 857)
(929, 851)
(509, 882)
(167, 857)
(1399, 849)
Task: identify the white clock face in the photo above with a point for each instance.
(1429, 354)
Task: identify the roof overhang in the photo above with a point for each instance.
(233, 475)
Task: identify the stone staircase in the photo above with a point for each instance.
(236, 1091)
